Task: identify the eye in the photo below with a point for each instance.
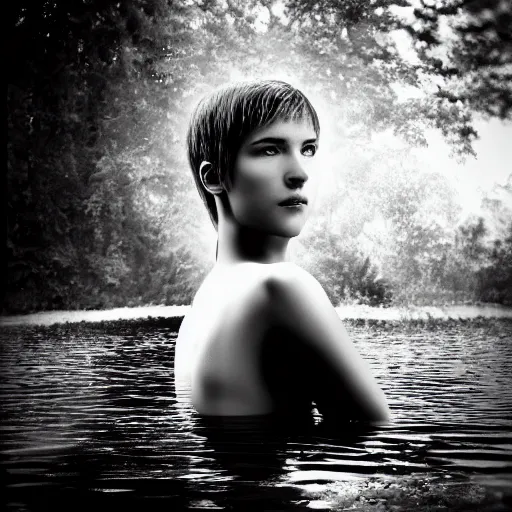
(269, 151)
(309, 150)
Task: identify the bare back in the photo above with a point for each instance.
(262, 338)
(219, 344)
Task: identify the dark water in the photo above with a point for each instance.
(90, 421)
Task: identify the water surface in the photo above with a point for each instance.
(90, 419)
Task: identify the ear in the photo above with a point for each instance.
(210, 179)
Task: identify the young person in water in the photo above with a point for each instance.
(262, 336)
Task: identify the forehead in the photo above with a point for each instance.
(293, 130)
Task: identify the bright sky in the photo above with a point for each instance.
(493, 163)
(477, 176)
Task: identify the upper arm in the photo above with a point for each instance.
(301, 306)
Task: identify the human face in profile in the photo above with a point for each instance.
(274, 178)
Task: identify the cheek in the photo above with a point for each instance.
(253, 176)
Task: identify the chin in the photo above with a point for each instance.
(290, 231)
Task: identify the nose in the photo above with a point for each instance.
(295, 176)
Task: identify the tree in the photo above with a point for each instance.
(86, 106)
(102, 208)
(495, 279)
(468, 45)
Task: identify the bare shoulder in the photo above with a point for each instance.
(292, 289)
(280, 284)
(300, 305)
(283, 277)
(270, 277)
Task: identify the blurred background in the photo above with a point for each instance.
(415, 101)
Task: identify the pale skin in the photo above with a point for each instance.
(262, 336)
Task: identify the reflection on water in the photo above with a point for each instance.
(90, 418)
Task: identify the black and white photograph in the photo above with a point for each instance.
(257, 256)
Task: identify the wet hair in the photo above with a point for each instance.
(224, 119)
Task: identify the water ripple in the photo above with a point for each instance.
(81, 406)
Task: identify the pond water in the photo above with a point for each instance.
(90, 420)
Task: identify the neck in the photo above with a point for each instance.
(237, 244)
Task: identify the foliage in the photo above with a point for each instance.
(101, 208)
(495, 279)
(343, 270)
(468, 45)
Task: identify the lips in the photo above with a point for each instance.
(296, 200)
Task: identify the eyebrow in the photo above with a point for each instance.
(277, 140)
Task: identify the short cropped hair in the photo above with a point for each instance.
(224, 119)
